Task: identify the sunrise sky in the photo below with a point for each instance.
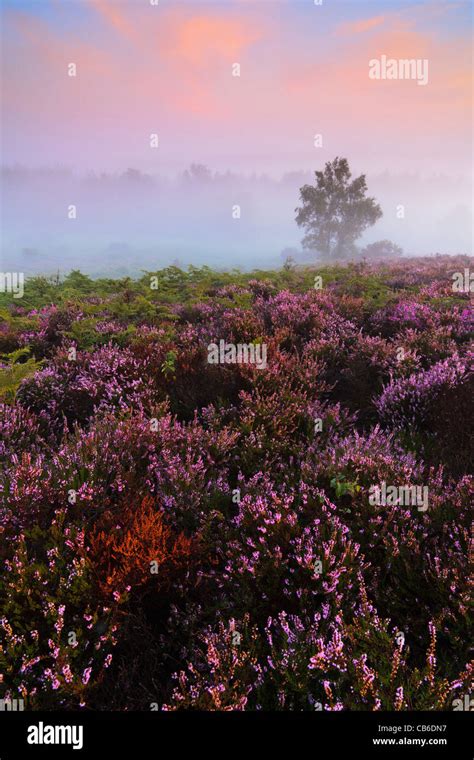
(167, 69)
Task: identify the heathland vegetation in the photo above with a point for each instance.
(180, 533)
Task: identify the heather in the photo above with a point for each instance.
(178, 534)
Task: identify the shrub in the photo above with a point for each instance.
(433, 408)
(279, 583)
(125, 546)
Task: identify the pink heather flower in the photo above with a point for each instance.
(67, 673)
(86, 675)
(398, 698)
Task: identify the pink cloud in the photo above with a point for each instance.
(357, 27)
(168, 69)
(343, 85)
(201, 37)
(113, 17)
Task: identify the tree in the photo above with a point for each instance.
(136, 177)
(335, 211)
(382, 249)
(198, 173)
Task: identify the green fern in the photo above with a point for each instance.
(14, 367)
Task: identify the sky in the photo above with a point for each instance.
(167, 70)
(303, 96)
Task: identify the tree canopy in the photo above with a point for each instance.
(335, 211)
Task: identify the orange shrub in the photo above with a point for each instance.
(124, 546)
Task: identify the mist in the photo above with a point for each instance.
(129, 221)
